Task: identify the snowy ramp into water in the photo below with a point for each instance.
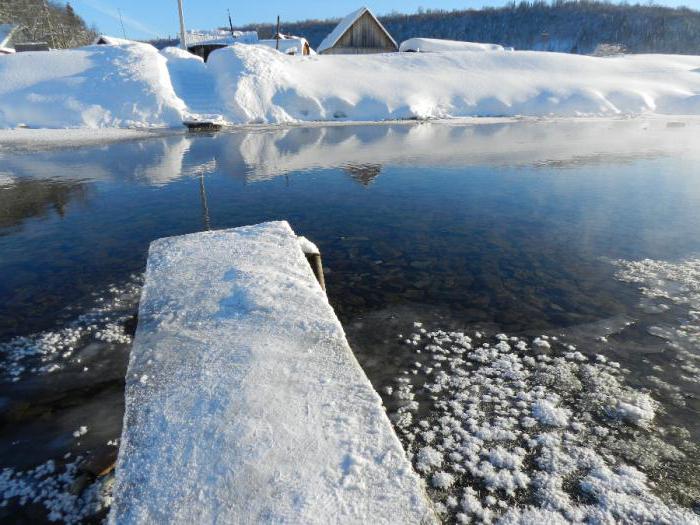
(244, 401)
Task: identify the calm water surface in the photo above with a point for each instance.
(509, 226)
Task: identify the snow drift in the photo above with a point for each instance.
(260, 85)
(133, 85)
(90, 87)
(434, 45)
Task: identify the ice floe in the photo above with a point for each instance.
(517, 431)
(51, 350)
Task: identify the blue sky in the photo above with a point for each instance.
(150, 18)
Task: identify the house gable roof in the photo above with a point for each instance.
(345, 24)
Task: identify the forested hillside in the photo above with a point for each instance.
(46, 21)
(563, 25)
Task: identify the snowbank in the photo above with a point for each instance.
(244, 402)
(91, 87)
(135, 86)
(260, 85)
(434, 45)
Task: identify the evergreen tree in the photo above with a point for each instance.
(46, 21)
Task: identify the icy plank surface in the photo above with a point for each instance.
(244, 402)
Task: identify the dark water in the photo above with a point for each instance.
(510, 225)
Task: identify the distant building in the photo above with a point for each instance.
(290, 45)
(358, 33)
(31, 46)
(202, 43)
(104, 40)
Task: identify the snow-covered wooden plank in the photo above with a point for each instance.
(244, 401)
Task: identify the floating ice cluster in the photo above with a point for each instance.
(662, 282)
(516, 430)
(59, 489)
(48, 351)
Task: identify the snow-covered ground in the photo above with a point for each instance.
(244, 401)
(134, 85)
(259, 85)
(92, 87)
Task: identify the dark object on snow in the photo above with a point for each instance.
(199, 125)
(204, 50)
(31, 46)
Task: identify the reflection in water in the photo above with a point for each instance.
(364, 173)
(505, 227)
(25, 198)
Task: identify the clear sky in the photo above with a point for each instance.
(151, 18)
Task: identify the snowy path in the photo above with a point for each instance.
(244, 402)
(194, 84)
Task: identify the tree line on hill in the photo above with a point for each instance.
(571, 26)
(55, 23)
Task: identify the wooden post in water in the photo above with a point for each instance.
(313, 256)
(317, 267)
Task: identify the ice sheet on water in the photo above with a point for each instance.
(54, 487)
(677, 283)
(49, 351)
(509, 422)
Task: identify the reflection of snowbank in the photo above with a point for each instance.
(557, 144)
(516, 429)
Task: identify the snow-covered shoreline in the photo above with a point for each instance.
(136, 86)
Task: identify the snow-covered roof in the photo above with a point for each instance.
(435, 45)
(345, 24)
(6, 51)
(289, 45)
(220, 36)
(111, 41)
(6, 31)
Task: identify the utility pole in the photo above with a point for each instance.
(277, 34)
(230, 23)
(121, 22)
(183, 40)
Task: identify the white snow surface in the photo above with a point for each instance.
(254, 408)
(261, 86)
(133, 85)
(435, 45)
(91, 87)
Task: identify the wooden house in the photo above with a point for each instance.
(358, 33)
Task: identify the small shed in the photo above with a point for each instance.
(203, 43)
(290, 45)
(358, 33)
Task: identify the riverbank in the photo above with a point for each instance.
(136, 86)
